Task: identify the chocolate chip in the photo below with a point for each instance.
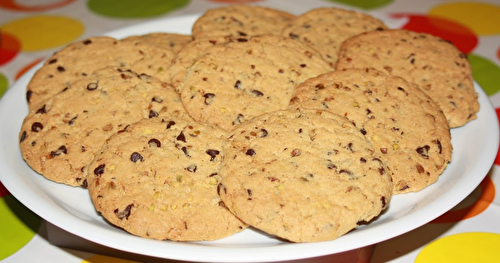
(42, 110)
(263, 133)
(99, 170)
(237, 85)
(344, 171)
(212, 153)
(440, 147)
(363, 160)
(36, 127)
(363, 131)
(293, 36)
(170, 124)
(153, 114)
(424, 151)
(257, 93)
(249, 192)
(72, 121)
(185, 151)
(59, 151)
(61, 69)
(209, 98)
(157, 99)
(23, 136)
(154, 143)
(250, 152)
(382, 200)
(135, 156)
(86, 42)
(181, 137)
(125, 213)
(52, 61)
(85, 184)
(92, 86)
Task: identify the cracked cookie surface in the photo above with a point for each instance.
(158, 179)
(234, 82)
(434, 64)
(303, 175)
(404, 125)
(60, 136)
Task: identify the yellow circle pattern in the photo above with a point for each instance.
(465, 247)
(482, 18)
(44, 32)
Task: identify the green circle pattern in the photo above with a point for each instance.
(133, 8)
(363, 4)
(18, 225)
(4, 84)
(486, 73)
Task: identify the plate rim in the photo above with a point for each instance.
(212, 253)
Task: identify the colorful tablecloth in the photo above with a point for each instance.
(31, 30)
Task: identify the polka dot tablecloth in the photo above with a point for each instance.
(31, 30)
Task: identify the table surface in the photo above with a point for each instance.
(31, 30)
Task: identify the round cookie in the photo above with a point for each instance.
(80, 59)
(59, 137)
(241, 21)
(231, 83)
(404, 125)
(173, 42)
(188, 55)
(435, 65)
(303, 175)
(158, 179)
(326, 28)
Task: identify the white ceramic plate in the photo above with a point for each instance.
(475, 147)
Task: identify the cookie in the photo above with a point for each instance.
(231, 83)
(80, 59)
(434, 64)
(173, 42)
(188, 55)
(241, 21)
(303, 175)
(59, 137)
(158, 179)
(326, 28)
(405, 126)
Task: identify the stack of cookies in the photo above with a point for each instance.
(299, 126)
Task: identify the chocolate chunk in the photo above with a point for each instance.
(424, 151)
(59, 151)
(36, 127)
(212, 153)
(92, 86)
(99, 170)
(42, 110)
(154, 143)
(170, 124)
(181, 137)
(250, 152)
(125, 213)
(135, 156)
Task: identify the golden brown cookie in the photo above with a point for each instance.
(241, 21)
(60, 136)
(326, 28)
(405, 126)
(158, 179)
(435, 65)
(231, 83)
(173, 42)
(303, 175)
(188, 55)
(80, 59)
